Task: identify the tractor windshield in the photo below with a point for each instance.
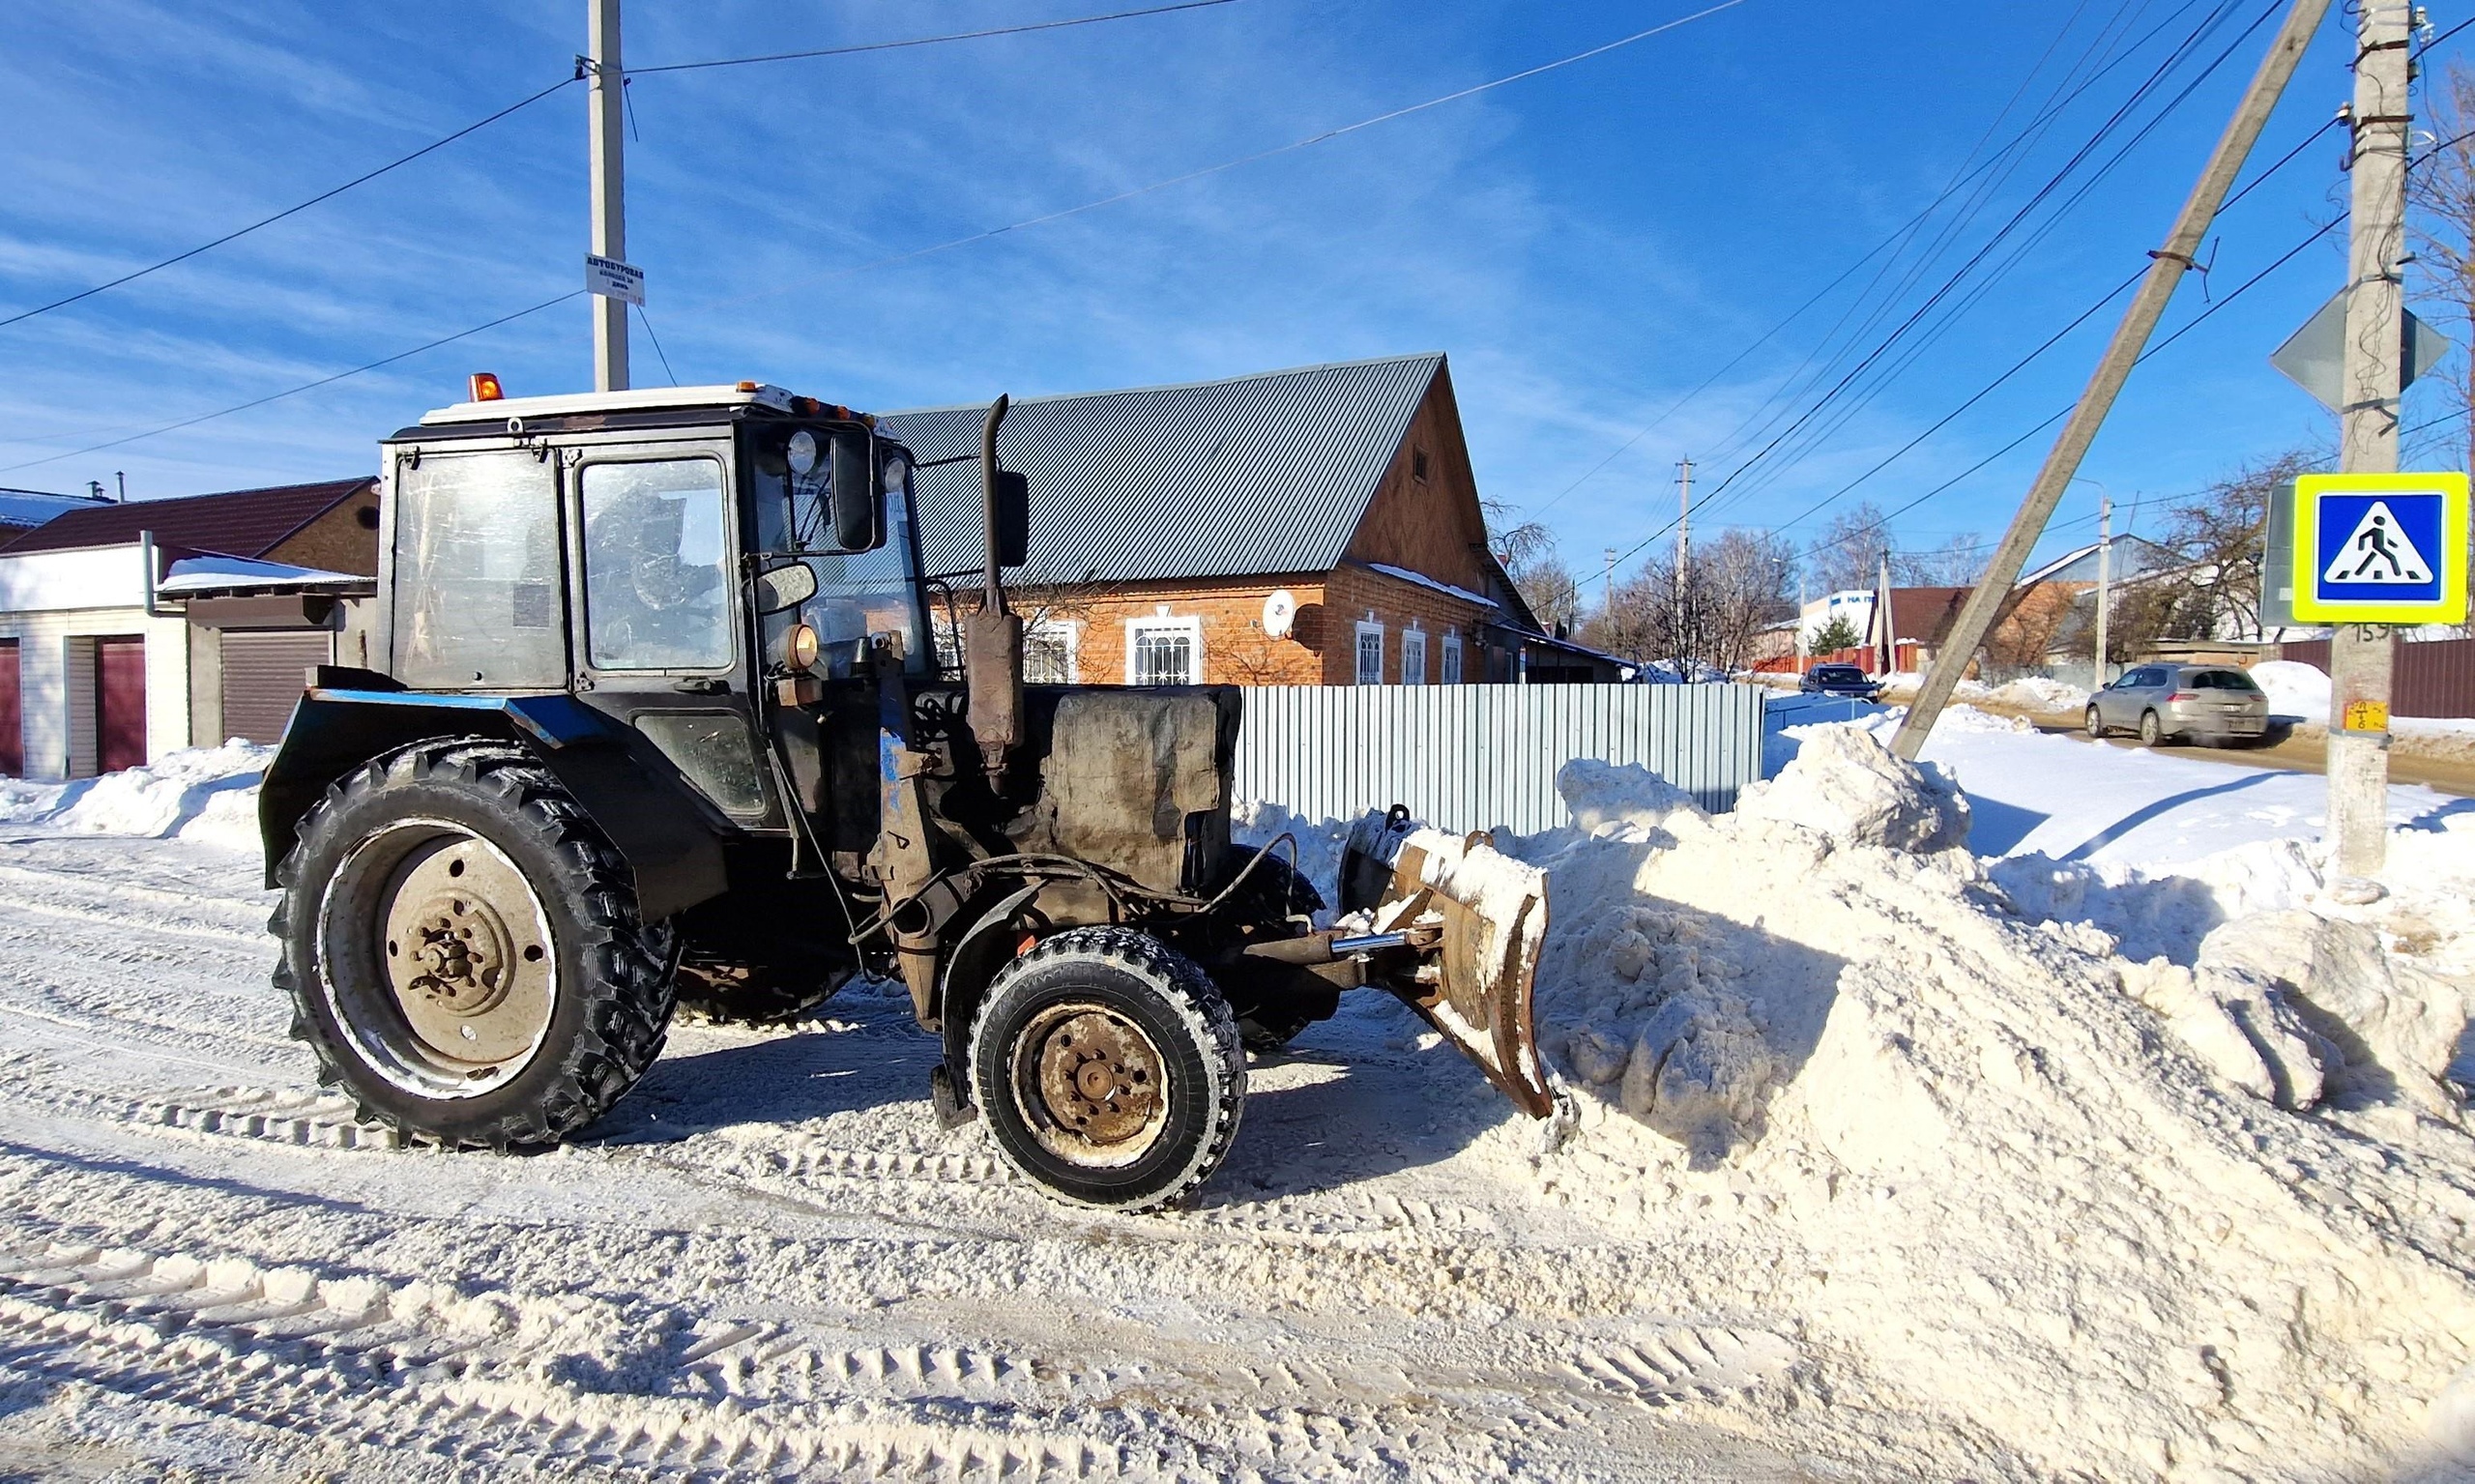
(857, 592)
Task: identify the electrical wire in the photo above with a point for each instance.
(657, 350)
(2052, 108)
(1182, 178)
(927, 41)
(2018, 218)
(307, 386)
(291, 211)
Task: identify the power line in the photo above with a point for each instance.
(1309, 141)
(289, 211)
(2054, 184)
(2060, 100)
(641, 319)
(928, 41)
(308, 386)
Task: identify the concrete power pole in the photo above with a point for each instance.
(608, 103)
(2168, 264)
(2104, 611)
(2360, 654)
(1683, 520)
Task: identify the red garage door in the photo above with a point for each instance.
(119, 703)
(12, 736)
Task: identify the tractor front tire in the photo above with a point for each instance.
(463, 952)
(1109, 1070)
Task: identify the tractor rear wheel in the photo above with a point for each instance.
(463, 952)
(1109, 1070)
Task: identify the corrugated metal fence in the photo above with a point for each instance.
(1474, 757)
(2434, 678)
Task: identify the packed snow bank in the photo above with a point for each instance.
(208, 795)
(2059, 1191)
(2293, 688)
(2301, 693)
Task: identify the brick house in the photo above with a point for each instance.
(1311, 527)
(131, 629)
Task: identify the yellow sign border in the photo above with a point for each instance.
(2449, 608)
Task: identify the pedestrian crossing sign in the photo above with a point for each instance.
(2380, 548)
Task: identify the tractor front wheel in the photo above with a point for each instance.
(463, 952)
(1109, 1070)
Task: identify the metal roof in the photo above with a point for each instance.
(1254, 474)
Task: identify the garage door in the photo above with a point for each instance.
(120, 703)
(12, 734)
(263, 678)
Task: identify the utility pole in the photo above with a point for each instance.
(606, 82)
(2165, 269)
(1609, 596)
(1683, 521)
(1882, 616)
(2360, 654)
(2104, 550)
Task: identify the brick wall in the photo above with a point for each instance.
(1320, 647)
(344, 540)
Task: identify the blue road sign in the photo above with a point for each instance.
(2380, 548)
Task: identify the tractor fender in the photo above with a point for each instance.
(975, 959)
(657, 824)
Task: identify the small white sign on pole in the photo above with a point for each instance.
(611, 278)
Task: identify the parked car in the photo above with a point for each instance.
(1839, 680)
(2213, 704)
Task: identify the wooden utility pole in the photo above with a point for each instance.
(1978, 615)
(607, 104)
(2360, 654)
(1683, 522)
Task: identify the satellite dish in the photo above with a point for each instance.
(1280, 611)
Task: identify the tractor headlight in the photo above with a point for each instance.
(802, 452)
(897, 470)
(799, 647)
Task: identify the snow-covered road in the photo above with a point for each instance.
(770, 1260)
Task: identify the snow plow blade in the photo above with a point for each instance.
(1472, 920)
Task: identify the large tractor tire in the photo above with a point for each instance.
(463, 952)
(1109, 1070)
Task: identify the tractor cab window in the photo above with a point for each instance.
(476, 602)
(857, 592)
(657, 574)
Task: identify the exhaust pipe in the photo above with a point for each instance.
(993, 637)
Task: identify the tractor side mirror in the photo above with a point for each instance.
(1013, 518)
(857, 508)
(780, 588)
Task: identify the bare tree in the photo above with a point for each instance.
(2441, 191)
(1529, 557)
(1849, 554)
(1733, 589)
(1957, 563)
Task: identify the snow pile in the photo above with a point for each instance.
(1601, 795)
(1848, 787)
(2293, 688)
(2040, 693)
(1995, 1162)
(204, 793)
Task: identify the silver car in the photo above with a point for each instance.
(2213, 704)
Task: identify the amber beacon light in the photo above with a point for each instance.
(484, 386)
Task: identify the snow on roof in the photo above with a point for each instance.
(191, 576)
(1425, 581)
(32, 507)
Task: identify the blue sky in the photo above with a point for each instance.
(1588, 245)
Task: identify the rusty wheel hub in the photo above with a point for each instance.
(466, 953)
(1099, 1083)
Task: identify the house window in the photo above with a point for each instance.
(1418, 463)
(1414, 657)
(1163, 651)
(1370, 654)
(1452, 656)
(1048, 651)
